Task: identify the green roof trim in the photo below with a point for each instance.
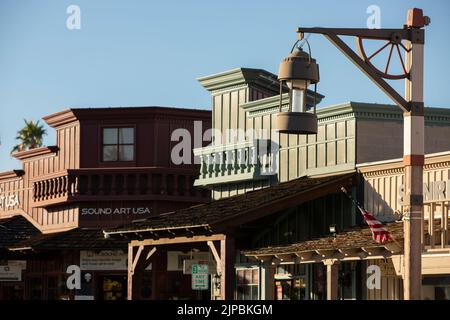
(360, 110)
(240, 76)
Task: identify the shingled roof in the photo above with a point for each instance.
(220, 214)
(14, 230)
(352, 238)
(75, 239)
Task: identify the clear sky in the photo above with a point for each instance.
(135, 53)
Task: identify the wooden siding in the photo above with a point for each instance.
(391, 285)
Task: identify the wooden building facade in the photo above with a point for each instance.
(273, 206)
(109, 166)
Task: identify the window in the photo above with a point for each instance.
(247, 284)
(118, 144)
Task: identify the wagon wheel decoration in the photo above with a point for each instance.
(396, 49)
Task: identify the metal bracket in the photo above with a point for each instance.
(332, 34)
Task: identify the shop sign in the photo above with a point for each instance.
(200, 275)
(432, 191)
(12, 270)
(115, 211)
(187, 269)
(103, 260)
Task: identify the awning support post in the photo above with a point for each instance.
(227, 258)
(135, 264)
(332, 278)
(268, 281)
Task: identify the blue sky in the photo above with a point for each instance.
(134, 53)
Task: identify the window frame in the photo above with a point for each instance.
(118, 144)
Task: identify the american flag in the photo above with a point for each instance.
(380, 233)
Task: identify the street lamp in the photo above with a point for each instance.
(410, 39)
(298, 70)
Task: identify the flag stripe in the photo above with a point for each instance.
(380, 234)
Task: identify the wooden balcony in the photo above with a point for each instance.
(109, 184)
(249, 160)
(436, 226)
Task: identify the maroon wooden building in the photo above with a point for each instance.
(109, 166)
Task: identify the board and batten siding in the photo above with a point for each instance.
(383, 183)
(391, 285)
(66, 157)
(12, 186)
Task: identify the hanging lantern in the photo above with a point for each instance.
(298, 70)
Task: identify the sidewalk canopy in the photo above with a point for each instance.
(75, 239)
(220, 215)
(353, 244)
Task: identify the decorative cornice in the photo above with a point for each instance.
(384, 172)
(22, 155)
(119, 113)
(238, 77)
(395, 166)
(11, 174)
(60, 118)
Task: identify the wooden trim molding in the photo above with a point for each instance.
(26, 154)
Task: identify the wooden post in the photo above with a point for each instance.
(268, 281)
(227, 259)
(135, 264)
(332, 279)
(130, 272)
(413, 160)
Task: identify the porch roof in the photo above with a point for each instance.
(15, 229)
(353, 243)
(219, 215)
(75, 239)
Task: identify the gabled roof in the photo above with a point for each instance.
(219, 215)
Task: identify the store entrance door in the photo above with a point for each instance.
(112, 287)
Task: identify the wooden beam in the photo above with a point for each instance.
(176, 240)
(150, 253)
(373, 251)
(306, 255)
(213, 249)
(136, 258)
(326, 253)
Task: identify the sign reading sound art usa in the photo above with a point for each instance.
(8, 201)
(115, 211)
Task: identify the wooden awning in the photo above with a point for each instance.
(218, 216)
(352, 244)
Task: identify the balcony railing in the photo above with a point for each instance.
(104, 184)
(436, 225)
(249, 160)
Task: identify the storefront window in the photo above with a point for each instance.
(118, 144)
(247, 284)
(290, 282)
(436, 288)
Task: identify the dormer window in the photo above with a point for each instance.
(118, 144)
